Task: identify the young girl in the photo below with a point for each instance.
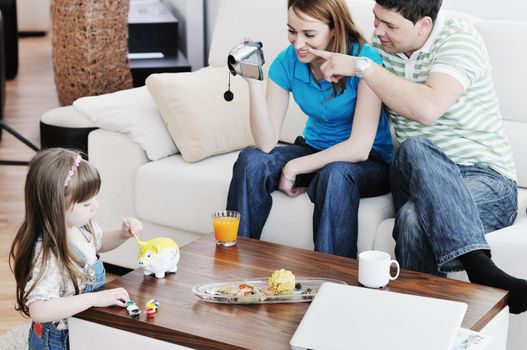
(54, 254)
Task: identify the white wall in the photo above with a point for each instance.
(191, 29)
(487, 9)
(211, 9)
(33, 15)
(490, 9)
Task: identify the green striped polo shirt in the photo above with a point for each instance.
(471, 131)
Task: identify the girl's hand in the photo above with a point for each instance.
(131, 226)
(336, 66)
(116, 296)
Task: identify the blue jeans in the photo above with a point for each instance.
(335, 190)
(443, 210)
(46, 336)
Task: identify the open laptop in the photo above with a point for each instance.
(348, 317)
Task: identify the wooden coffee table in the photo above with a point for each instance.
(186, 320)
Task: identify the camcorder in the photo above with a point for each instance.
(247, 60)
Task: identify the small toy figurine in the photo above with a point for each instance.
(158, 255)
(132, 308)
(151, 306)
(150, 312)
(155, 302)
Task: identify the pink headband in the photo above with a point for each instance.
(73, 169)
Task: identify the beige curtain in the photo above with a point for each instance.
(89, 47)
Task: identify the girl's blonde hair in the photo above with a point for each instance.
(336, 14)
(46, 200)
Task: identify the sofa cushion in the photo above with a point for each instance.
(131, 112)
(291, 218)
(200, 121)
(191, 192)
(175, 193)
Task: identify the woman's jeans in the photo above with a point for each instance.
(443, 210)
(335, 190)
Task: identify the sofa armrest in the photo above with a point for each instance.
(117, 158)
(372, 212)
(509, 246)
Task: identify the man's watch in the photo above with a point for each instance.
(362, 64)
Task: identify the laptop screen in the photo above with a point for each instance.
(349, 317)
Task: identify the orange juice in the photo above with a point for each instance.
(225, 228)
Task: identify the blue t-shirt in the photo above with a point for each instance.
(329, 118)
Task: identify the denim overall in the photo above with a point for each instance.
(46, 336)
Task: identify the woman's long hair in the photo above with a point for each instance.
(336, 14)
(46, 200)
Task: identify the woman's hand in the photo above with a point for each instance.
(287, 184)
(253, 82)
(336, 66)
(131, 226)
(116, 296)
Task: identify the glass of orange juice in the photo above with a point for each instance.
(225, 224)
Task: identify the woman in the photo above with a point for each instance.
(346, 148)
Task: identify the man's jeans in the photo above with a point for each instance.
(443, 210)
(335, 190)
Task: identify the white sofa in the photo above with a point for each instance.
(175, 198)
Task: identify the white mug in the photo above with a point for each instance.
(374, 269)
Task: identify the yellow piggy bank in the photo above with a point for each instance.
(158, 256)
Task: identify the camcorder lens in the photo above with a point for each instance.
(230, 63)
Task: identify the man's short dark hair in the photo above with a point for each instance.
(413, 10)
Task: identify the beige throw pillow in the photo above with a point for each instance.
(200, 121)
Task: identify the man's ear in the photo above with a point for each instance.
(425, 25)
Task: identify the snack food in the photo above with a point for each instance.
(281, 282)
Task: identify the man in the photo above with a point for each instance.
(453, 177)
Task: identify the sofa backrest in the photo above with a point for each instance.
(267, 21)
(264, 21)
(507, 45)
